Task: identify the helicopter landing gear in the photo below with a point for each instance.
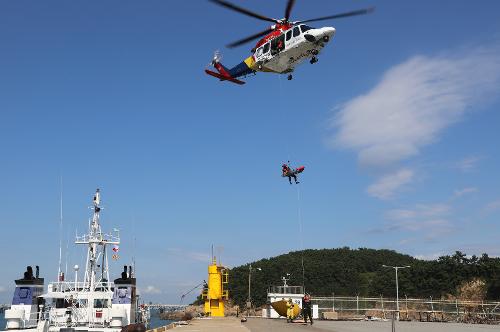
(290, 77)
(313, 60)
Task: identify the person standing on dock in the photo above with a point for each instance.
(306, 308)
(289, 311)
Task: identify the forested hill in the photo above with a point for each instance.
(352, 272)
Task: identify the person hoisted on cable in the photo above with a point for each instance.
(287, 171)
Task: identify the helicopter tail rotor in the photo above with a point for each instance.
(217, 58)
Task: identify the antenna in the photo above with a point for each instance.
(133, 247)
(67, 253)
(60, 229)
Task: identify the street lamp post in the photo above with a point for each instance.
(396, 268)
(249, 301)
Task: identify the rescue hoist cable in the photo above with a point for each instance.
(299, 209)
(301, 233)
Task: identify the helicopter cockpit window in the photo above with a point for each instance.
(259, 52)
(304, 28)
(288, 35)
(266, 48)
(296, 31)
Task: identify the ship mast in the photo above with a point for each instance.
(97, 270)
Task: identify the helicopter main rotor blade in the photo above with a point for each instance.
(353, 13)
(249, 38)
(288, 10)
(243, 11)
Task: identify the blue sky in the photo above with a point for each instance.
(397, 125)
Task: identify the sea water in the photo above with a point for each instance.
(154, 323)
(3, 322)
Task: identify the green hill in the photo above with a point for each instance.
(351, 272)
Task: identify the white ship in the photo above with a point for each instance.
(94, 304)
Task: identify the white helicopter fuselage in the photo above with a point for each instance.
(284, 52)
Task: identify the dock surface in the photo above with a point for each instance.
(233, 324)
(215, 324)
(278, 325)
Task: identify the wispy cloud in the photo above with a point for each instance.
(468, 164)
(418, 212)
(151, 290)
(464, 191)
(429, 257)
(190, 255)
(429, 220)
(2, 289)
(413, 103)
(388, 185)
(492, 206)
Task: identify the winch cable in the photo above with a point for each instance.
(301, 233)
(299, 208)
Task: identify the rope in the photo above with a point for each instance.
(299, 210)
(283, 116)
(301, 233)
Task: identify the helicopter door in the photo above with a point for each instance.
(278, 44)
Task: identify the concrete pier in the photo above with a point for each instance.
(215, 324)
(233, 324)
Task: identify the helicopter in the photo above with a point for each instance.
(284, 45)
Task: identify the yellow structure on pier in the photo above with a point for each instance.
(215, 293)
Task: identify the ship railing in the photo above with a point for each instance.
(101, 238)
(71, 286)
(60, 317)
(286, 290)
(32, 320)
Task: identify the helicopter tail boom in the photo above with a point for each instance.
(223, 77)
(224, 74)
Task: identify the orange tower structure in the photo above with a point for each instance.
(215, 294)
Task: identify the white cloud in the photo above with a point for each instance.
(427, 219)
(418, 212)
(413, 103)
(464, 191)
(151, 290)
(388, 185)
(433, 226)
(492, 206)
(429, 257)
(468, 164)
(191, 255)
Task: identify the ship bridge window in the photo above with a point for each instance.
(266, 48)
(100, 303)
(22, 295)
(122, 292)
(62, 303)
(304, 28)
(296, 31)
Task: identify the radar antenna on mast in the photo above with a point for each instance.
(97, 269)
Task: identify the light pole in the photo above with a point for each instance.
(249, 301)
(396, 268)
